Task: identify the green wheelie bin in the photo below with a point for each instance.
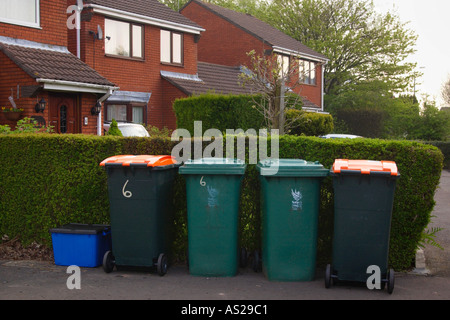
(213, 192)
(140, 190)
(363, 202)
(290, 212)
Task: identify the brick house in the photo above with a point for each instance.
(36, 66)
(141, 39)
(230, 35)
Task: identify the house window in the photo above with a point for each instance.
(307, 72)
(124, 39)
(171, 47)
(21, 12)
(283, 62)
(125, 112)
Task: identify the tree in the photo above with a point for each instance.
(445, 92)
(276, 83)
(361, 44)
(114, 129)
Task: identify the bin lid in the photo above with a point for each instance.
(291, 168)
(140, 160)
(365, 167)
(79, 228)
(213, 166)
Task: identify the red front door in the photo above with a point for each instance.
(64, 115)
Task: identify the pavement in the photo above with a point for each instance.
(37, 280)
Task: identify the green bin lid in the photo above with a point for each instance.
(213, 166)
(291, 168)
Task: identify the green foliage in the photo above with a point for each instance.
(217, 111)
(366, 122)
(25, 125)
(444, 146)
(309, 123)
(50, 180)
(155, 131)
(432, 124)
(114, 129)
(361, 44)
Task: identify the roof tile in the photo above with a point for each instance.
(260, 29)
(54, 65)
(149, 8)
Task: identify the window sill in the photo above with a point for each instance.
(124, 58)
(307, 84)
(21, 23)
(172, 64)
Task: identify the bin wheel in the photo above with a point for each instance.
(391, 281)
(328, 281)
(256, 265)
(161, 266)
(108, 262)
(243, 260)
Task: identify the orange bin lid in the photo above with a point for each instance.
(150, 161)
(365, 166)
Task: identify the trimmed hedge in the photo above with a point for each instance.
(366, 122)
(218, 111)
(444, 146)
(309, 123)
(50, 180)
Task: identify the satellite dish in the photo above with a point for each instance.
(99, 33)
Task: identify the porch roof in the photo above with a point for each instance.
(51, 63)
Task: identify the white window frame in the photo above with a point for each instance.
(172, 48)
(307, 72)
(36, 24)
(131, 39)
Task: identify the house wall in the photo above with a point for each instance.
(12, 76)
(53, 25)
(226, 44)
(133, 74)
(170, 93)
(222, 42)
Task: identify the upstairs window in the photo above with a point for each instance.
(307, 72)
(171, 47)
(284, 64)
(20, 12)
(124, 39)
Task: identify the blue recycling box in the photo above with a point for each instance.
(82, 245)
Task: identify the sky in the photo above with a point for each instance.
(430, 20)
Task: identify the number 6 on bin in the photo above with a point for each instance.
(126, 194)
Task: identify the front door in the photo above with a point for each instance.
(63, 110)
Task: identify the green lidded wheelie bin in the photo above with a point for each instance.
(140, 190)
(290, 199)
(363, 202)
(213, 191)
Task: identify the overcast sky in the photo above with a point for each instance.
(431, 21)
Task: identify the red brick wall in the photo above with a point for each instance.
(87, 101)
(11, 76)
(313, 92)
(226, 44)
(222, 42)
(170, 93)
(53, 25)
(136, 75)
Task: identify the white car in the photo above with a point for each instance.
(340, 136)
(129, 129)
